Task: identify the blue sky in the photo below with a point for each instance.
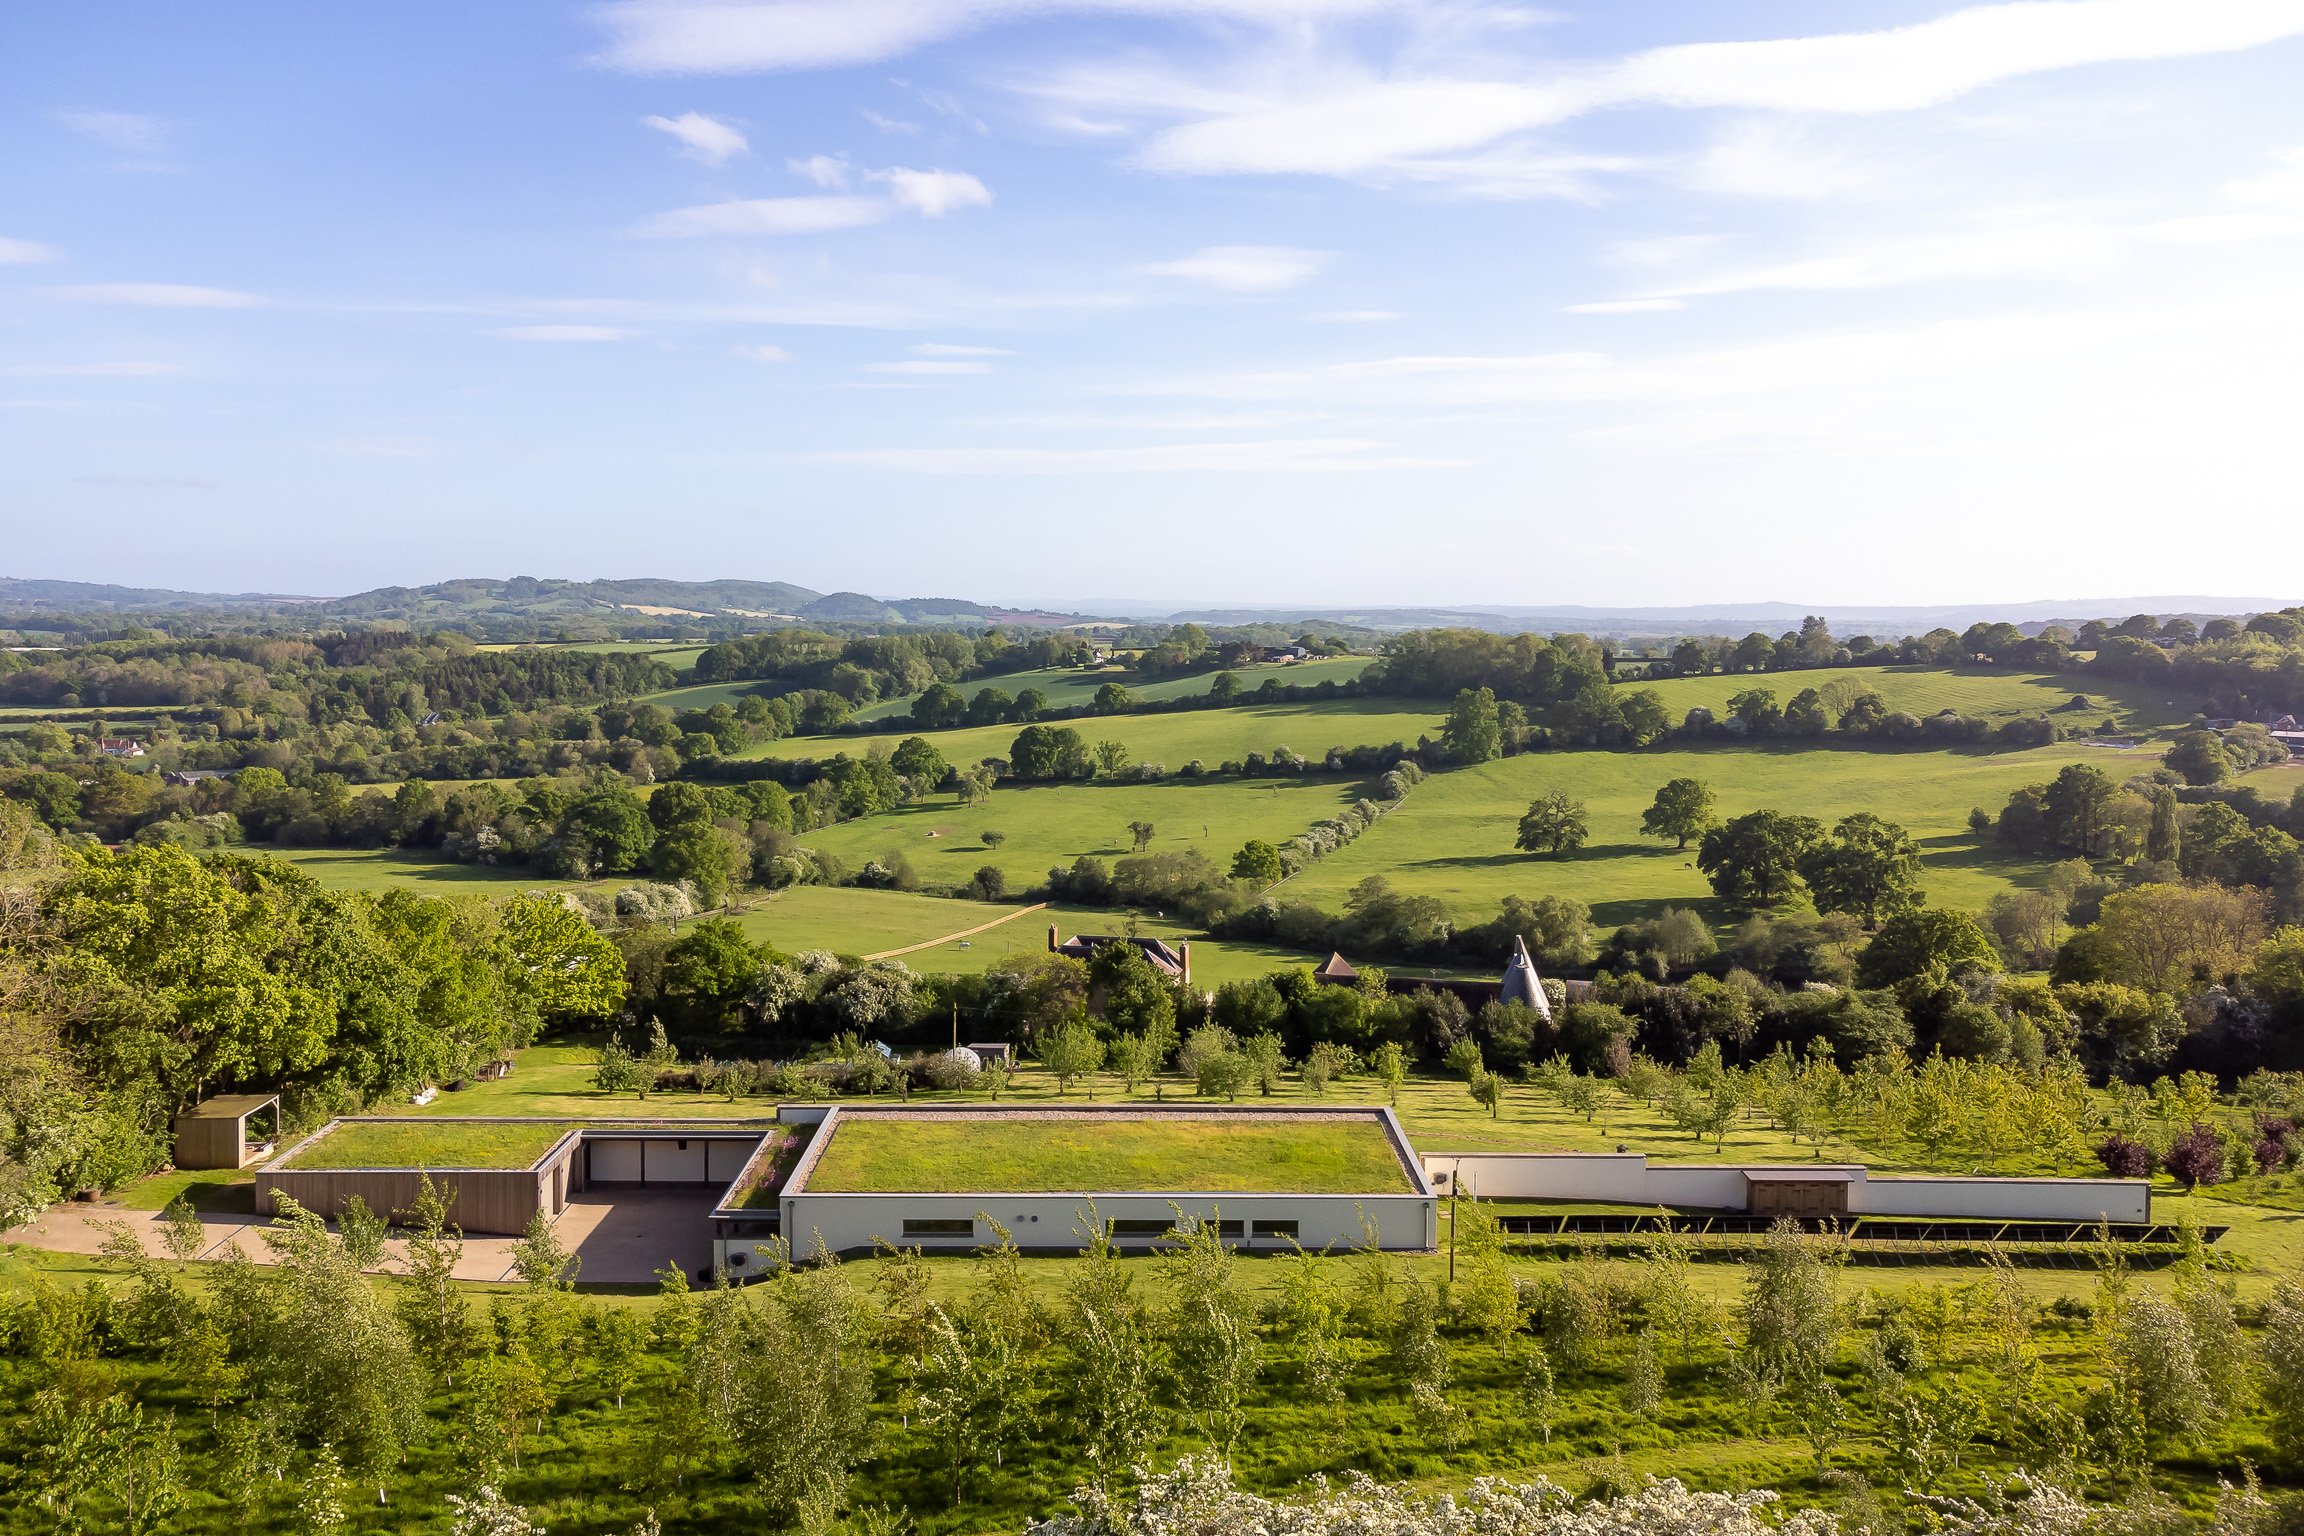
(1262, 301)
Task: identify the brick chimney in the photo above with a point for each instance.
(1184, 956)
(1051, 936)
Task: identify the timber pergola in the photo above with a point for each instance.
(214, 1132)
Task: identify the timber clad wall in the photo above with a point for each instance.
(484, 1200)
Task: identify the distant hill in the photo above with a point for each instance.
(533, 597)
(21, 595)
(1883, 622)
(523, 607)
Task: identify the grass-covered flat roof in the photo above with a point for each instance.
(433, 1144)
(1034, 1153)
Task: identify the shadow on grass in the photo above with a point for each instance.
(1536, 863)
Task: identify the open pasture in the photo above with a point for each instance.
(1068, 687)
(1453, 837)
(1053, 824)
(1210, 735)
(1931, 690)
(380, 869)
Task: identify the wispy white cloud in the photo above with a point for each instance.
(733, 37)
(563, 333)
(769, 216)
(120, 370)
(705, 138)
(129, 132)
(160, 295)
(931, 367)
(956, 349)
(1354, 121)
(930, 194)
(1243, 268)
(828, 171)
(25, 253)
(887, 124)
(1315, 455)
(933, 194)
(1625, 306)
(762, 352)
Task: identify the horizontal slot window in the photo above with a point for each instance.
(939, 1226)
(1275, 1229)
(1141, 1228)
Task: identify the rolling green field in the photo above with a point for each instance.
(441, 1144)
(857, 922)
(876, 1155)
(1930, 690)
(1067, 687)
(700, 695)
(1211, 735)
(1453, 837)
(1048, 825)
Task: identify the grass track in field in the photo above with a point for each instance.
(857, 922)
(1453, 837)
(876, 1155)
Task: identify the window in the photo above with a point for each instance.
(1227, 1229)
(1275, 1229)
(1141, 1228)
(939, 1226)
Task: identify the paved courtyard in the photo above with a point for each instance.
(623, 1237)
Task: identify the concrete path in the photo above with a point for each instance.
(622, 1237)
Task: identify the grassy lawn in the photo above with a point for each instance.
(1453, 837)
(899, 1155)
(424, 1144)
(1053, 824)
(1211, 735)
(1929, 690)
(1067, 687)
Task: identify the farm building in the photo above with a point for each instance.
(1175, 963)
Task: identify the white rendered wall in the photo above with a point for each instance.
(847, 1223)
(2003, 1199)
(1628, 1178)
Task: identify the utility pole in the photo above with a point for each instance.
(1455, 1186)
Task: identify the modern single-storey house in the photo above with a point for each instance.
(942, 1177)
(1782, 1189)
(955, 1177)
